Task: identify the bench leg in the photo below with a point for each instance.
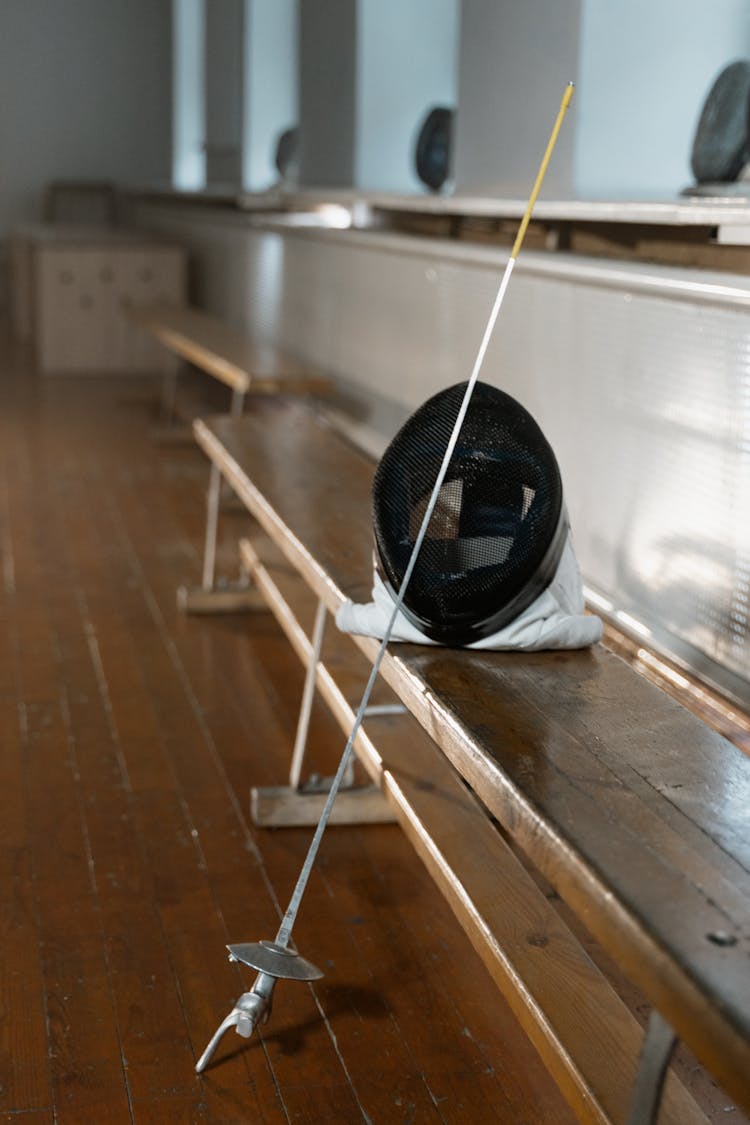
(301, 805)
(169, 430)
(168, 395)
(308, 692)
(656, 1052)
(228, 498)
(208, 598)
(212, 522)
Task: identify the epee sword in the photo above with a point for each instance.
(278, 959)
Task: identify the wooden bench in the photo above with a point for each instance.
(633, 810)
(245, 366)
(242, 364)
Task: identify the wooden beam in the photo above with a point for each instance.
(228, 599)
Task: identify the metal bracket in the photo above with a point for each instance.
(658, 1045)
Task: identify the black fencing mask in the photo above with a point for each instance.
(432, 157)
(498, 529)
(721, 146)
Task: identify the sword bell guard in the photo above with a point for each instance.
(274, 960)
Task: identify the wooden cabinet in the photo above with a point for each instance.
(78, 285)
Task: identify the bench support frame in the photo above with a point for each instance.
(171, 429)
(208, 597)
(301, 804)
(658, 1045)
(593, 1059)
(168, 404)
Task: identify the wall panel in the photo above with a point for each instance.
(639, 375)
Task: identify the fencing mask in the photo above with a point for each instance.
(498, 530)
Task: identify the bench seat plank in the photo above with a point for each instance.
(226, 353)
(584, 1032)
(634, 810)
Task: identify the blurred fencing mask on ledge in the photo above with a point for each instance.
(432, 155)
(721, 146)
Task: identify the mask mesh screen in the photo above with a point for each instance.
(495, 528)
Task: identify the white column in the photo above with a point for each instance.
(515, 60)
(270, 86)
(327, 71)
(224, 58)
(188, 94)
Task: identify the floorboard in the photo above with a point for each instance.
(130, 737)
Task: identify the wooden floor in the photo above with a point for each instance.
(129, 738)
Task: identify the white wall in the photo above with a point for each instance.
(645, 69)
(642, 69)
(604, 354)
(369, 69)
(407, 58)
(188, 95)
(84, 93)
